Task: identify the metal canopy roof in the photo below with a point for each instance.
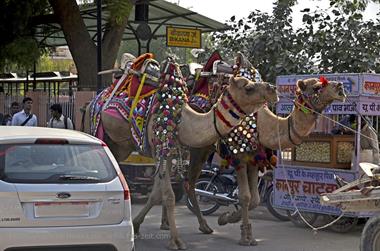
(161, 14)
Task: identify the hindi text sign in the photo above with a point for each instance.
(183, 37)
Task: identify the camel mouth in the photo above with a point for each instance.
(273, 97)
(341, 96)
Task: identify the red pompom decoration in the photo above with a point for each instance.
(324, 81)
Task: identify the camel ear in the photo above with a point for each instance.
(301, 84)
(239, 58)
(238, 82)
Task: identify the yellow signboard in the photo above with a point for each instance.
(183, 37)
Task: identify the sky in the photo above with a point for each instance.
(222, 10)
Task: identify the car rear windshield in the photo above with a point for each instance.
(56, 163)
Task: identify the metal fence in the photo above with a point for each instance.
(41, 105)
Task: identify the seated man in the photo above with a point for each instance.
(346, 125)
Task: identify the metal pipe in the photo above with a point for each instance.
(99, 43)
(216, 196)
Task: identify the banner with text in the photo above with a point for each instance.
(183, 37)
(286, 85)
(306, 185)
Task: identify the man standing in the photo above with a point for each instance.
(25, 117)
(58, 120)
(15, 108)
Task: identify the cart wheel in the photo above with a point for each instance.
(297, 220)
(343, 225)
(370, 239)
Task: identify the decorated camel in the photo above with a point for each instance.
(167, 122)
(312, 95)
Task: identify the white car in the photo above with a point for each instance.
(61, 190)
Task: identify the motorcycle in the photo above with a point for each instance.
(216, 188)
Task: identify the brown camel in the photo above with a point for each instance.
(242, 97)
(271, 130)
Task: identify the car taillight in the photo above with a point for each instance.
(125, 186)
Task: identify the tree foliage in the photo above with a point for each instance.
(19, 49)
(17, 46)
(333, 40)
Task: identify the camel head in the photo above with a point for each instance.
(319, 93)
(249, 95)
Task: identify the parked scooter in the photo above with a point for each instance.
(217, 187)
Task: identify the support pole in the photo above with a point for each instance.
(99, 44)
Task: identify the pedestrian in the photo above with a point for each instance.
(15, 108)
(25, 117)
(58, 120)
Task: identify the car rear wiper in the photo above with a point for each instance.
(77, 177)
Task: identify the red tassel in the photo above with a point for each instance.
(323, 80)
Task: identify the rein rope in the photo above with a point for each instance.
(280, 163)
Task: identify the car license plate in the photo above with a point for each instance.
(61, 209)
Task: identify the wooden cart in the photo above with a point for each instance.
(309, 170)
(361, 195)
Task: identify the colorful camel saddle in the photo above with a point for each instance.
(126, 102)
(202, 92)
(129, 98)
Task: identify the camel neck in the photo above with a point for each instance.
(203, 129)
(303, 123)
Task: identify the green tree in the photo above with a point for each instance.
(17, 45)
(268, 41)
(18, 49)
(82, 47)
(341, 41)
(333, 40)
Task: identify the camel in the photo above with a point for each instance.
(289, 131)
(369, 141)
(241, 97)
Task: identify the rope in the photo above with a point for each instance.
(336, 122)
(315, 229)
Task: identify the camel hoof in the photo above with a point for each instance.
(205, 229)
(172, 245)
(137, 234)
(245, 242)
(176, 244)
(181, 245)
(136, 229)
(164, 227)
(254, 242)
(234, 217)
(223, 218)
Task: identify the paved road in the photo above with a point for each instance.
(272, 235)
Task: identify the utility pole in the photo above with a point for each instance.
(99, 44)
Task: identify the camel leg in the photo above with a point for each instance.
(197, 159)
(168, 199)
(253, 178)
(244, 200)
(154, 199)
(164, 219)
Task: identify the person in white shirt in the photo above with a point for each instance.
(58, 120)
(25, 117)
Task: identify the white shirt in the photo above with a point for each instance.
(60, 123)
(20, 117)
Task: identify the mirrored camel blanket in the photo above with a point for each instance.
(121, 103)
(120, 107)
